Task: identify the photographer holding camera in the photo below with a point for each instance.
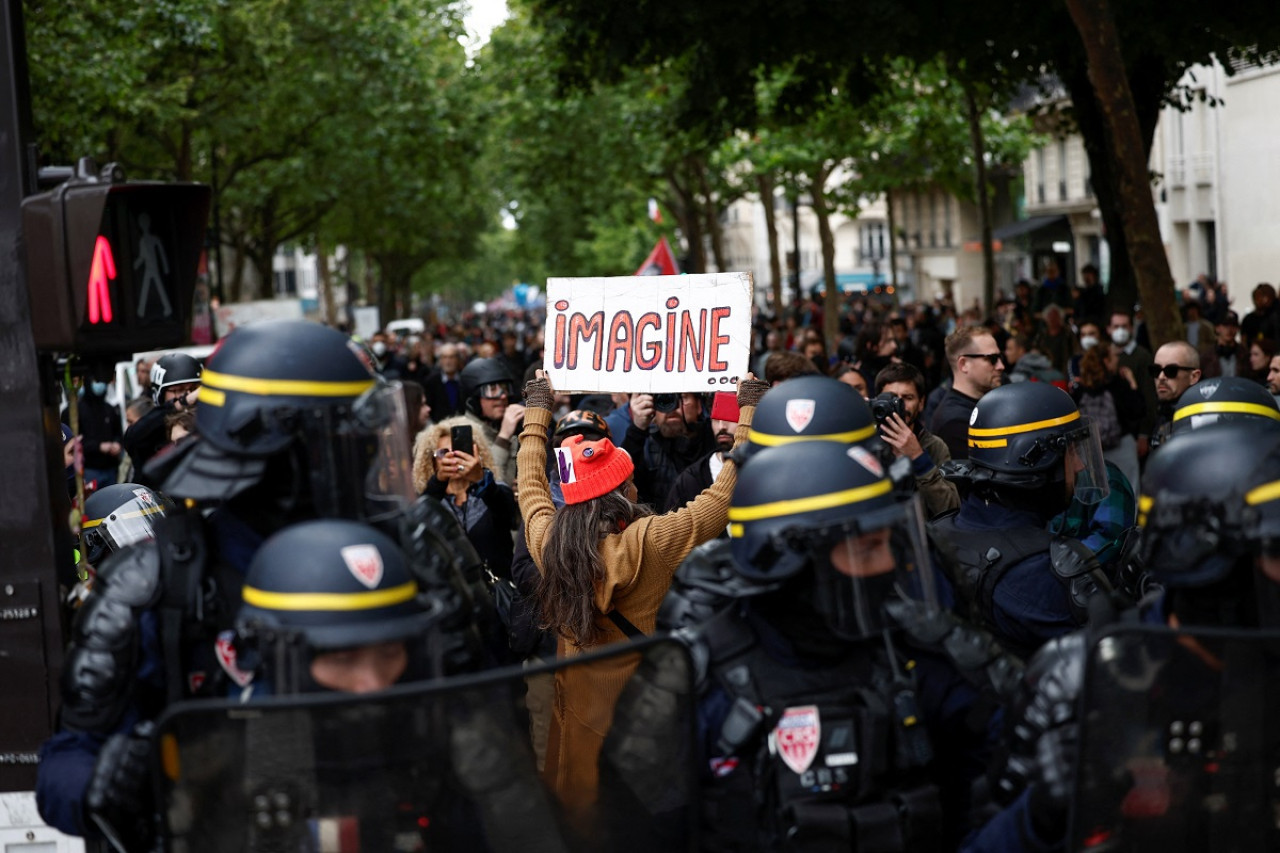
(896, 407)
(670, 433)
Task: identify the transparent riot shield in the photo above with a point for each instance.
(438, 766)
(1179, 742)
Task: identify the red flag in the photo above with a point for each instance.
(660, 261)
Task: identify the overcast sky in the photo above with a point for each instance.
(484, 16)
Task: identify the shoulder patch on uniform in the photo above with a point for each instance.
(799, 413)
(225, 650)
(797, 736)
(867, 460)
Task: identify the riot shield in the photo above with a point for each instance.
(437, 766)
(1179, 742)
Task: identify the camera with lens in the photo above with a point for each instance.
(885, 404)
(666, 403)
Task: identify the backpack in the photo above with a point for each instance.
(1100, 408)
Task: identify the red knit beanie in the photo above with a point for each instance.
(589, 469)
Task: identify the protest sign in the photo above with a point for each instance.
(648, 334)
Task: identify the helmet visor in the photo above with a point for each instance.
(131, 522)
(1086, 469)
(869, 561)
(360, 464)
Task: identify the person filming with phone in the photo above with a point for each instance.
(453, 463)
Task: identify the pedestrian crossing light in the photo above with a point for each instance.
(111, 265)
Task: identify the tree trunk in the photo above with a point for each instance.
(765, 184)
(832, 304)
(893, 242)
(711, 213)
(328, 313)
(1107, 73)
(686, 212)
(984, 199)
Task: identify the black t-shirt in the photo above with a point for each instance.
(951, 422)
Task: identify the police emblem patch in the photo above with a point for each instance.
(225, 650)
(797, 736)
(973, 416)
(799, 413)
(1208, 388)
(364, 563)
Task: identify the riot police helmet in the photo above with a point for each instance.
(581, 422)
(1030, 436)
(291, 405)
(824, 518)
(327, 586)
(805, 409)
(170, 370)
(120, 515)
(1209, 498)
(1221, 400)
(485, 378)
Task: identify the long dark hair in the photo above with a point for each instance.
(571, 563)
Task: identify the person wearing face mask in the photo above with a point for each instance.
(101, 431)
(1138, 359)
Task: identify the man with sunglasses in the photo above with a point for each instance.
(976, 368)
(1176, 368)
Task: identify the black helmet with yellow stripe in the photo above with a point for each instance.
(324, 586)
(823, 518)
(1030, 435)
(805, 409)
(292, 403)
(1210, 507)
(118, 516)
(1221, 400)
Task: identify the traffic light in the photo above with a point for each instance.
(111, 265)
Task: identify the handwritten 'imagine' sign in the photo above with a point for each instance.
(648, 334)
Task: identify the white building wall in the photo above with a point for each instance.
(1250, 216)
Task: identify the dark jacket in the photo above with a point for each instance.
(444, 398)
(488, 515)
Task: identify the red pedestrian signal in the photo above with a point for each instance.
(101, 273)
(111, 266)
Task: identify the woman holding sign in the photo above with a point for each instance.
(606, 563)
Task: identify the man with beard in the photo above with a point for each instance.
(668, 433)
(908, 437)
(976, 368)
(701, 474)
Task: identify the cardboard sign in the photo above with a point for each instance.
(648, 334)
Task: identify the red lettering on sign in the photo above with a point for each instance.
(621, 340)
(714, 362)
(653, 347)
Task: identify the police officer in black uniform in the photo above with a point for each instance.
(819, 726)
(1030, 452)
(292, 426)
(173, 376)
(1210, 518)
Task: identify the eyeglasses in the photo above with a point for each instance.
(442, 452)
(991, 357)
(1170, 371)
(493, 391)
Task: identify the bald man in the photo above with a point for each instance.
(1175, 368)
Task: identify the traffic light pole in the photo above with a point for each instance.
(33, 502)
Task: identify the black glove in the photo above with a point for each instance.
(118, 799)
(750, 391)
(537, 394)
